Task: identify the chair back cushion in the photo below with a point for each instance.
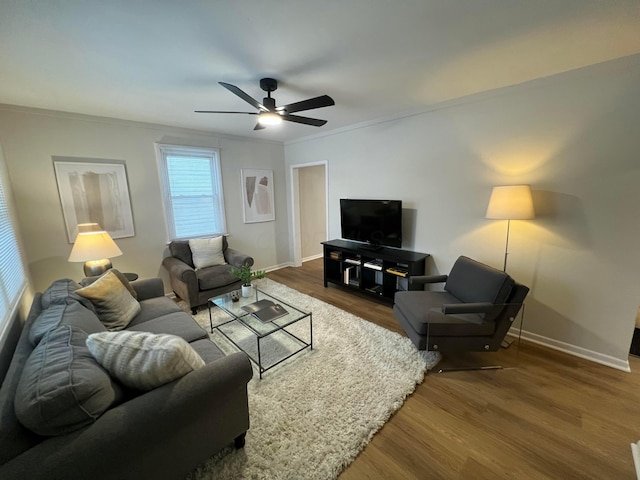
(181, 250)
(472, 281)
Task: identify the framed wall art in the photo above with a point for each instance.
(94, 191)
(257, 195)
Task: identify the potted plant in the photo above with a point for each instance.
(245, 274)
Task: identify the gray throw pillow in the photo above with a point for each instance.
(62, 388)
(143, 360)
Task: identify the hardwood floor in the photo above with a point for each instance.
(546, 415)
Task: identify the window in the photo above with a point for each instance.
(12, 275)
(192, 187)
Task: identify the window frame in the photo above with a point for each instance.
(163, 151)
(11, 299)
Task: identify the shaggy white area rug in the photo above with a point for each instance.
(311, 415)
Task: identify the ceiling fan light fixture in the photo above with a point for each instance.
(269, 118)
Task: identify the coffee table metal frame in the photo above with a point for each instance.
(234, 310)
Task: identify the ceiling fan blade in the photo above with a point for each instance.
(218, 111)
(235, 90)
(259, 126)
(305, 120)
(310, 104)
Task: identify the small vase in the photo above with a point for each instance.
(246, 290)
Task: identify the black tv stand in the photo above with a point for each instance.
(371, 248)
(371, 269)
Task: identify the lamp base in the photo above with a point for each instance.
(94, 268)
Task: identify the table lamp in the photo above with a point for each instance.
(95, 247)
(510, 202)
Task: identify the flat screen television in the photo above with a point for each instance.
(377, 222)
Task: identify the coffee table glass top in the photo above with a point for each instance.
(280, 340)
(258, 327)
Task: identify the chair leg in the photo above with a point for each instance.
(240, 440)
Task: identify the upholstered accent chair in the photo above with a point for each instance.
(196, 285)
(472, 313)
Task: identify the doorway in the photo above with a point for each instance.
(309, 185)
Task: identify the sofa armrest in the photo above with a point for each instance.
(424, 279)
(180, 270)
(237, 259)
(476, 307)
(149, 436)
(148, 288)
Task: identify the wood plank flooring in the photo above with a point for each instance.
(546, 415)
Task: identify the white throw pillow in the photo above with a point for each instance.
(114, 305)
(143, 360)
(207, 252)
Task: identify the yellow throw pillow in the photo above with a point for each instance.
(114, 305)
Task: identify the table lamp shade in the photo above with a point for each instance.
(511, 202)
(94, 248)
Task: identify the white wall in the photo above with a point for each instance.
(31, 137)
(574, 137)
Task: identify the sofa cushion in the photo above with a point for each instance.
(154, 308)
(73, 314)
(114, 305)
(215, 277)
(62, 292)
(206, 252)
(62, 388)
(180, 324)
(143, 360)
(423, 311)
(208, 351)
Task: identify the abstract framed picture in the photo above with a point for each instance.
(257, 195)
(94, 191)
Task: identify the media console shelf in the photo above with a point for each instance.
(379, 272)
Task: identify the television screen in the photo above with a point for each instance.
(378, 222)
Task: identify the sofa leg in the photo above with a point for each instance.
(194, 310)
(239, 440)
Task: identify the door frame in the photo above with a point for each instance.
(296, 234)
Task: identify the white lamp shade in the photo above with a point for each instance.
(511, 202)
(93, 246)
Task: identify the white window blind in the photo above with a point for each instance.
(12, 274)
(192, 187)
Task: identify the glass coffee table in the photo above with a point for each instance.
(276, 340)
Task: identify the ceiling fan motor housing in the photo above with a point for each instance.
(269, 84)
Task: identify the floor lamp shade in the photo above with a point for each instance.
(95, 249)
(510, 202)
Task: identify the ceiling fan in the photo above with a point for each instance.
(269, 114)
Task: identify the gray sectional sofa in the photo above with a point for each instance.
(162, 433)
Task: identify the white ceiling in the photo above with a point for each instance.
(158, 60)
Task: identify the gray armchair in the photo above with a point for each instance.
(473, 313)
(197, 286)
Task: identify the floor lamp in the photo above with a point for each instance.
(510, 202)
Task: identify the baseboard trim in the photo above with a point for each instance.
(574, 350)
(312, 257)
(278, 267)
